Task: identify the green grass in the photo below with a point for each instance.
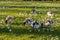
(21, 32)
(11, 3)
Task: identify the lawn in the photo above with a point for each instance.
(21, 32)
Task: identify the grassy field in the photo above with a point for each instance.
(21, 32)
(12, 3)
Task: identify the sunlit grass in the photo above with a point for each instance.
(8, 3)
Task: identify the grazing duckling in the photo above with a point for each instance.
(8, 19)
(50, 14)
(35, 24)
(48, 22)
(28, 21)
(33, 11)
